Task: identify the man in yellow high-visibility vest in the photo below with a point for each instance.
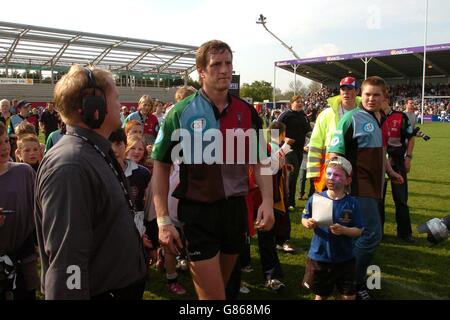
(324, 128)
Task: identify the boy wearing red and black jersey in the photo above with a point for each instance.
(398, 134)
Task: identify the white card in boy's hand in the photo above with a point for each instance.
(322, 210)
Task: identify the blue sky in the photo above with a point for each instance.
(313, 28)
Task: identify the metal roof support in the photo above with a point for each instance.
(157, 79)
(388, 67)
(11, 49)
(138, 59)
(366, 62)
(322, 73)
(434, 65)
(62, 48)
(191, 69)
(54, 60)
(295, 66)
(105, 52)
(165, 65)
(186, 76)
(92, 35)
(274, 84)
(424, 59)
(346, 68)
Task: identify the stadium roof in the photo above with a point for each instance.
(401, 63)
(25, 46)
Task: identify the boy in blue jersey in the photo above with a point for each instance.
(331, 261)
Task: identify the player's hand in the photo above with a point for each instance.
(310, 223)
(396, 178)
(264, 219)
(170, 238)
(337, 229)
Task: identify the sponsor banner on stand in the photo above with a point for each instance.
(16, 81)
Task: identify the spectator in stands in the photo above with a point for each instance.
(133, 127)
(138, 176)
(274, 115)
(26, 128)
(137, 151)
(13, 109)
(29, 150)
(23, 107)
(182, 93)
(443, 115)
(77, 222)
(124, 113)
(159, 111)
(324, 128)
(33, 118)
(49, 120)
(17, 251)
(148, 121)
(409, 111)
(5, 114)
(55, 136)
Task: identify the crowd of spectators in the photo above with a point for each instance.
(315, 102)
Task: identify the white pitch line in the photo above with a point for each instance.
(415, 289)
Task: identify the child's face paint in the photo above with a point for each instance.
(336, 179)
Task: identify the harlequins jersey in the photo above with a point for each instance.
(225, 173)
(358, 137)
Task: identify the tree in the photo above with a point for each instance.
(314, 87)
(194, 83)
(297, 87)
(258, 90)
(294, 89)
(191, 82)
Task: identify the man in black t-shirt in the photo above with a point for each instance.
(297, 126)
(49, 120)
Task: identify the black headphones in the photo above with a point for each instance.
(91, 103)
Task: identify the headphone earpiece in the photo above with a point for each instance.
(91, 103)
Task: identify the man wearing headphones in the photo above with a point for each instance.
(88, 242)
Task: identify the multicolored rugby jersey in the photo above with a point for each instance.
(359, 138)
(214, 165)
(397, 130)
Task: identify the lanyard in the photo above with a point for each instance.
(119, 177)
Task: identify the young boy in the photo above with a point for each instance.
(29, 150)
(280, 233)
(331, 261)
